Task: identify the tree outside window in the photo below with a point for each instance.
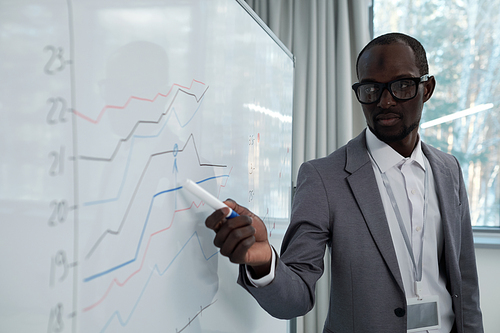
(462, 40)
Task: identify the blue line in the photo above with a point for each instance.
(109, 270)
(207, 179)
(103, 201)
(95, 276)
(155, 269)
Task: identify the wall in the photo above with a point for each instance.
(488, 265)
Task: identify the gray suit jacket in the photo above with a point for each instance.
(337, 203)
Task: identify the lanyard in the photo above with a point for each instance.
(399, 218)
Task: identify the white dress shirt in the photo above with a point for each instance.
(407, 180)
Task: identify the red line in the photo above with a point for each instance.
(221, 186)
(121, 284)
(95, 121)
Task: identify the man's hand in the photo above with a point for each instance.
(243, 239)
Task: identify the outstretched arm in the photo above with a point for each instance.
(243, 239)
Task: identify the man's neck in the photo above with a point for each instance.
(406, 146)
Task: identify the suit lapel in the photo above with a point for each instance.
(447, 199)
(365, 189)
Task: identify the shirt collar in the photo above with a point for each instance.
(386, 157)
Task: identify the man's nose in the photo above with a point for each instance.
(386, 100)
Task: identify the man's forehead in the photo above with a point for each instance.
(382, 62)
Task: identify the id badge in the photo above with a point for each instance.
(423, 314)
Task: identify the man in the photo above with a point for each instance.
(392, 210)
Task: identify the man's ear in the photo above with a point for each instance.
(429, 88)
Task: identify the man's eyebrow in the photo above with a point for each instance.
(402, 76)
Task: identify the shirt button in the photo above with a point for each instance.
(418, 228)
(400, 312)
(412, 191)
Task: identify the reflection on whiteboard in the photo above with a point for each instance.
(108, 108)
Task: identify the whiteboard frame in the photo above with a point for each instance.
(268, 30)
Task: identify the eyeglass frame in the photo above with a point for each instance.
(382, 86)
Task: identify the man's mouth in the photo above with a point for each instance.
(387, 119)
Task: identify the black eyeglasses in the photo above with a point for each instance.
(400, 89)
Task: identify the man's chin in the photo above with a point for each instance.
(388, 136)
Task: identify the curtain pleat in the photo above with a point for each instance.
(325, 37)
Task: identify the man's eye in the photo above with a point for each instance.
(405, 84)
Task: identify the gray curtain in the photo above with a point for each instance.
(325, 37)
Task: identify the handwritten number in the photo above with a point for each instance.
(56, 62)
(57, 166)
(56, 324)
(60, 260)
(59, 212)
(250, 195)
(58, 106)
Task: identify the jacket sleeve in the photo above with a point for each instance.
(291, 293)
(471, 312)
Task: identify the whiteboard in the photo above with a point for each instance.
(106, 107)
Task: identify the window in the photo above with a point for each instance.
(462, 40)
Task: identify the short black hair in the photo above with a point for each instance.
(396, 37)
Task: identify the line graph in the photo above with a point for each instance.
(124, 178)
(116, 282)
(116, 267)
(135, 279)
(190, 142)
(123, 321)
(131, 98)
(141, 178)
(142, 122)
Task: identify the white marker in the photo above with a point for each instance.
(209, 199)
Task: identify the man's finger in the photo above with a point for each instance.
(235, 239)
(228, 227)
(239, 253)
(238, 208)
(215, 220)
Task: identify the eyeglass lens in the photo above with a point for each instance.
(401, 89)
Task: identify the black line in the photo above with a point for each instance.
(191, 320)
(113, 155)
(129, 206)
(76, 189)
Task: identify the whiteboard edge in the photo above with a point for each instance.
(268, 30)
